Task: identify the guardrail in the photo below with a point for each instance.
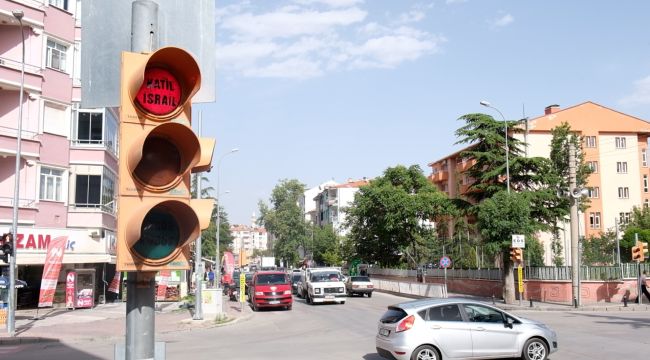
(408, 288)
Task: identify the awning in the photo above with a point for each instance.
(68, 258)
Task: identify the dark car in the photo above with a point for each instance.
(295, 279)
(270, 289)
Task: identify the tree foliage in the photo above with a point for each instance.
(387, 216)
(284, 219)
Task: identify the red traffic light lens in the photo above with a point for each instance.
(160, 92)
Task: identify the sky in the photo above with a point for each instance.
(316, 90)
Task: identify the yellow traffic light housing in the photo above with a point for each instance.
(157, 219)
(516, 255)
(640, 251)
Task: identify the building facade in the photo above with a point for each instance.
(247, 239)
(615, 147)
(331, 202)
(68, 155)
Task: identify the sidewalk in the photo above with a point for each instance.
(108, 322)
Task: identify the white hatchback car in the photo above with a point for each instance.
(434, 329)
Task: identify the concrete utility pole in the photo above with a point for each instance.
(575, 269)
(198, 261)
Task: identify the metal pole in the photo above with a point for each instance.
(141, 287)
(217, 262)
(638, 267)
(11, 316)
(140, 315)
(198, 262)
(575, 270)
(618, 248)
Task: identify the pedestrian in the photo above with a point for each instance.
(644, 288)
(210, 278)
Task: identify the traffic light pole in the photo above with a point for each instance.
(141, 286)
(198, 261)
(575, 269)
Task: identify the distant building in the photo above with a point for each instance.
(308, 204)
(615, 147)
(247, 238)
(332, 201)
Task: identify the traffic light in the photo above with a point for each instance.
(157, 219)
(516, 255)
(639, 251)
(636, 253)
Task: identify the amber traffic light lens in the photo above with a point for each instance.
(160, 165)
(159, 235)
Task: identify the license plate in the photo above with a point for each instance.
(274, 302)
(384, 332)
(329, 296)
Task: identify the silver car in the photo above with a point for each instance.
(434, 329)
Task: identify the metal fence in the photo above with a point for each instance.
(624, 271)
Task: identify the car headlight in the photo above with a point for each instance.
(317, 291)
(341, 290)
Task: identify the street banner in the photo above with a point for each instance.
(162, 284)
(228, 264)
(114, 286)
(70, 282)
(51, 270)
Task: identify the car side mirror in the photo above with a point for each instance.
(508, 323)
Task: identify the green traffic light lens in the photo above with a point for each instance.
(159, 235)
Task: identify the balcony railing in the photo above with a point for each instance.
(22, 203)
(17, 65)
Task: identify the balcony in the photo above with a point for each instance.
(440, 176)
(10, 71)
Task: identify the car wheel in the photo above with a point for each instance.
(425, 352)
(342, 302)
(535, 349)
(255, 308)
(289, 307)
(369, 294)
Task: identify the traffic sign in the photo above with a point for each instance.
(445, 262)
(518, 241)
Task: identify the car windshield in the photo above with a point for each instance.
(325, 277)
(360, 278)
(271, 279)
(295, 277)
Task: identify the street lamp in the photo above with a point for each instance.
(217, 274)
(18, 14)
(505, 123)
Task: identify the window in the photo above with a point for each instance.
(108, 191)
(88, 191)
(51, 184)
(56, 119)
(61, 4)
(445, 313)
(623, 192)
(620, 142)
(644, 157)
(56, 55)
(594, 220)
(593, 192)
(645, 183)
(89, 127)
(484, 314)
(646, 203)
(621, 167)
(624, 217)
(76, 65)
(590, 141)
(593, 166)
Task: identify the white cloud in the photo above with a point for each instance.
(641, 94)
(331, 3)
(504, 20)
(455, 1)
(289, 21)
(298, 41)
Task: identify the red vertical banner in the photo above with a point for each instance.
(161, 294)
(114, 286)
(70, 282)
(51, 270)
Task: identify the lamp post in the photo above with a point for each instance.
(217, 274)
(18, 14)
(487, 104)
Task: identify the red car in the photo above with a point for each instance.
(270, 289)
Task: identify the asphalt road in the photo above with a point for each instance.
(347, 332)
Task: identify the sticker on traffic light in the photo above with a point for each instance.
(157, 219)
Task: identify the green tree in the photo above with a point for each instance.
(284, 219)
(326, 246)
(498, 218)
(209, 235)
(387, 217)
(599, 250)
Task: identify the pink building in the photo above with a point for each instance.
(68, 166)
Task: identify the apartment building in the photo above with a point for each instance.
(246, 239)
(68, 155)
(307, 203)
(615, 147)
(331, 202)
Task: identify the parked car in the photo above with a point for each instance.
(270, 289)
(460, 329)
(359, 285)
(295, 281)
